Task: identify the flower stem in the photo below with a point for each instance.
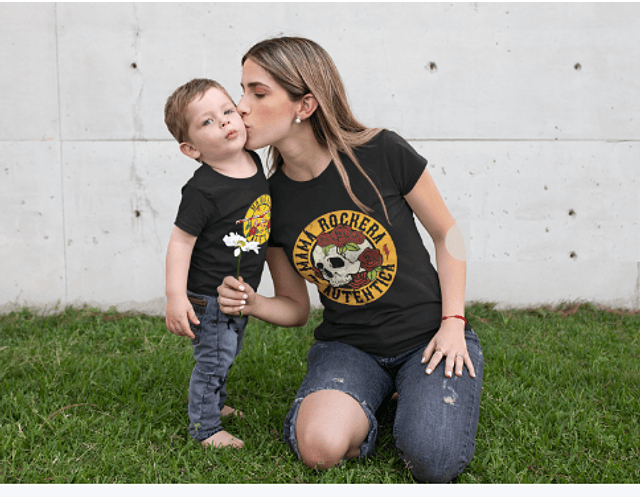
(238, 273)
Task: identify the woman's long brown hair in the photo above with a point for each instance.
(302, 67)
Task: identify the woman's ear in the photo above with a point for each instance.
(188, 150)
(307, 106)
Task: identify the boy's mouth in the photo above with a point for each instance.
(232, 134)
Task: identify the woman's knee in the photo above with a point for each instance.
(431, 462)
(320, 449)
(330, 426)
(434, 471)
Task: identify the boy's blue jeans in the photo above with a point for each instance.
(217, 342)
(436, 418)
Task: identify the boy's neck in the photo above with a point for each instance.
(238, 166)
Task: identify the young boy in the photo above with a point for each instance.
(227, 194)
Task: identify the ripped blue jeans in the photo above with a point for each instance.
(217, 342)
(436, 418)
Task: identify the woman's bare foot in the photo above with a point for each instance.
(228, 411)
(221, 439)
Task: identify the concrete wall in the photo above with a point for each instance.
(528, 113)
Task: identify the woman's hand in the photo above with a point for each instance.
(235, 296)
(449, 344)
(290, 305)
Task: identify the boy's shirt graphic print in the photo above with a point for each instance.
(256, 224)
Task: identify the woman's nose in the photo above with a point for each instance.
(242, 108)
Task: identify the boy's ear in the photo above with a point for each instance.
(188, 150)
(307, 106)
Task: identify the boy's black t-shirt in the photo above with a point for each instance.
(214, 205)
(378, 287)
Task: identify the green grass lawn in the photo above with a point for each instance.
(91, 397)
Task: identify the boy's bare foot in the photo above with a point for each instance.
(228, 411)
(221, 439)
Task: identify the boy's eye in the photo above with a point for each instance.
(207, 122)
(229, 111)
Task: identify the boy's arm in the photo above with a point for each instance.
(289, 307)
(179, 309)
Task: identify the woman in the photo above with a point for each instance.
(343, 199)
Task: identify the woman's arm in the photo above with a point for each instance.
(426, 202)
(289, 307)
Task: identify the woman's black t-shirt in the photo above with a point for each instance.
(378, 287)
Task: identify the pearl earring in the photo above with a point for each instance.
(298, 119)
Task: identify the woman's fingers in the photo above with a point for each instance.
(435, 359)
(453, 362)
(469, 363)
(233, 295)
(231, 290)
(448, 366)
(459, 364)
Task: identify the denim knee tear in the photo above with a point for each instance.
(450, 398)
(339, 380)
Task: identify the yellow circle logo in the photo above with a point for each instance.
(348, 255)
(256, 225)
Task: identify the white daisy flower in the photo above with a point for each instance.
(234, 240)
(251, 245)
(240, 243)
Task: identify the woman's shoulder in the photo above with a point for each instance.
(384, 137)
(385, 141)
(392, 137)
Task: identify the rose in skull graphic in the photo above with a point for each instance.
(345, 257)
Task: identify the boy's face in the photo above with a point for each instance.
(216, 130)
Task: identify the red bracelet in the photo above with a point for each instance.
(454, 316)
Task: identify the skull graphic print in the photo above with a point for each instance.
(339, 265)
(348, 255)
